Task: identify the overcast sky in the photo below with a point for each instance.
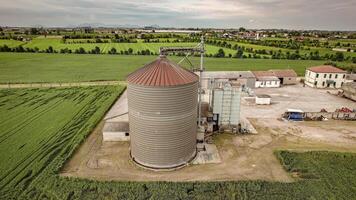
(290, 14)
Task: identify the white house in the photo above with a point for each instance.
(325, 76)
(266, 79)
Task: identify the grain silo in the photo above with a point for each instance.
(162, 101)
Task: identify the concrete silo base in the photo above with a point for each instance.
(169, 168)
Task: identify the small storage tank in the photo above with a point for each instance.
(162, 102)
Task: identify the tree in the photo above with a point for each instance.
(220, 53)
(49, 50)
(96, 50)
(112, 51)
(34, 31)
(130, 50)
(339, 56)
(242, 29)
(239, 53)
(354, 59)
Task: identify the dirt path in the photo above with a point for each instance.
(46, 85)
(244, 157)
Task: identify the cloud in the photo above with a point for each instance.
(297, 14)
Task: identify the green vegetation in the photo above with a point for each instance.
(32, 67)
(40, 129)
(43, 44)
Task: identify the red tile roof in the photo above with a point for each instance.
(326, 69)
(161, 73)
(281, 73)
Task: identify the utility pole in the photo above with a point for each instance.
(200, 79)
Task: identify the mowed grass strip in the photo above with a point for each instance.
(40, 67)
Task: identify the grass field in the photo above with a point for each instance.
(36, 67)
(322, 51)
(44, 43)
(39, 129)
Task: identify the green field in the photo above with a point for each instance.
(44, 43)
(322, 51)
(41, 67)
(41, 128)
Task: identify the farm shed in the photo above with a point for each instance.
(263, 99)
(266, 79)
(349, 90)
(286, 76)
(162, 105)
(245, 78)
(350, 78)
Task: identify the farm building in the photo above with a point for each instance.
(226, 104)
(245, 78)
(350, 78)
(263, 99)
(286, 76)
(349, 90)
(162, 105)
(325, 76)
(266, 79)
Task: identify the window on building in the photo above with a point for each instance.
(343, 76)
(316, 83)
(335, 75)
(323, 83)
(317, 75)
(324, 75)
(329, 75)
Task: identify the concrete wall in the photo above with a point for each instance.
(115, 136)
(269, 84)
(289, 80)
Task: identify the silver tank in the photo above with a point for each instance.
(163, 124)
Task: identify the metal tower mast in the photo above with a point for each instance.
(198, 49)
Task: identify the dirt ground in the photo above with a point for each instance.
(244, 157)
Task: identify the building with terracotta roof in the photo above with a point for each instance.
(266, 79)
(286, 76)
(324, 76)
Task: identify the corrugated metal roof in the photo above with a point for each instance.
(326, 69)
(162, 73)
(227, 74)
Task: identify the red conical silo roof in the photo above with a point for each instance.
(160, 73)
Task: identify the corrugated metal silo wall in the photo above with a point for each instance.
(163, 124)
